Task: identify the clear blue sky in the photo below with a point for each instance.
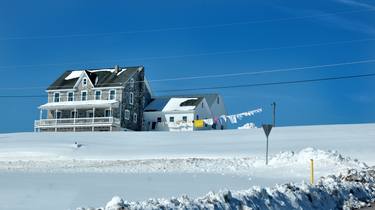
(41, 39)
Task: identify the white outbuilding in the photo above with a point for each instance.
(178, 113)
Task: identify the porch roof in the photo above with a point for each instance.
(80, 104)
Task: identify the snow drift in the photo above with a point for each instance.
(352, 189)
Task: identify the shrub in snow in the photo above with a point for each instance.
(352, 189)
(115, 204)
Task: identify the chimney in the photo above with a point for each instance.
(117, 69)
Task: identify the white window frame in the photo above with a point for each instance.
(54, 97)
(84, 82)
(75, 115)
(127, 114)
(131, 98)
(171, 117)
(183, 118)
(67, 96)
(83, 91)
(100, 95)
(135, 118)
(56, 114)
(109, 94)
(110, 113)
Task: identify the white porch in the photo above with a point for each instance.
(95, 115)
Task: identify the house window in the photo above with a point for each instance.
(107, 113)
(56, 97)
(202, 105)
(197, 117)
(84, 96)
(89, 113)
(218, 100)
(158, 119)
(127, 114)
(184, 118)
(84, 82)
(112, 95)
(131, 83)
(73, 114)
(70, 96)
(98, 95)
(131, 98)
(58, 114)
(171, 119)
(135, 118)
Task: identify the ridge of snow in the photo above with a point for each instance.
(351, 189)
(74, 75)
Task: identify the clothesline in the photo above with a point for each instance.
(224, 118)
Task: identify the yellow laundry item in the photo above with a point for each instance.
(198, 123)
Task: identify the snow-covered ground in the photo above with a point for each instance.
(36, 168)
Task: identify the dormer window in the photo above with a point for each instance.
(56, 97)
(112, 95)
(131, 82)
(84, 81)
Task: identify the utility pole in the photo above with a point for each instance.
(274, 113)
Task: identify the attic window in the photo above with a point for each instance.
(84, 82)
(218, 100)
(131, 82)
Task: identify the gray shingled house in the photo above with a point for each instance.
(96, 100)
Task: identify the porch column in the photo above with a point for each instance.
(111, 117)
(74, 119)
(56, 120)
(93, 118)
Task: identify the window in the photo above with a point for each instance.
(112, 95)
(89, 113)
(158, 119)
(184, 118)
(84, 82)
(131, 98)
(73, 114)
(218, 100)
(107, 113)
(70, 96)
(202, 105)
(98, 95)
(56, 97)
(84, 96)
(171, 119)
(58, 114)
(131, 83)
(197, 117)
(135, 118)
(127, 114)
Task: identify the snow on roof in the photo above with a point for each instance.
(122, 70)
(73, 75)
(174, 104)
(99, 70)
(79, 104)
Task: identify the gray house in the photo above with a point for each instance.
(96, 100)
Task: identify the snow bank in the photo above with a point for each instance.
(286, 164)
(247, 126)
(352, 189)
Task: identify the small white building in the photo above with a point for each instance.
(177, 113)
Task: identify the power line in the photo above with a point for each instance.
(193, 54)
(232, 86)
(278, 70)
(183, 28)
(271, 83)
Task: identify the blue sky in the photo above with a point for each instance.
(41, 39)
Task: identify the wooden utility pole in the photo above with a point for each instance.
(274, 113)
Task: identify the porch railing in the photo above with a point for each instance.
(77, 121)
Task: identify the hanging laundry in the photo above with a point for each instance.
(232, 119)
(198, 123)
(208, 121)
(223, 119)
